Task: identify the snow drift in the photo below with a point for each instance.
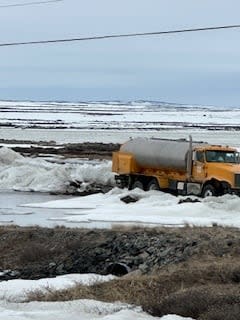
(35, 174)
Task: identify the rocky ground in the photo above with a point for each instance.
(34, 252)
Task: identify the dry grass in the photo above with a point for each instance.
(33, 252)
(193, 289)
(199, 302)
(225, 311)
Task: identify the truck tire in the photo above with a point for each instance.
(153, 185)
(137, 184)
(209, 191)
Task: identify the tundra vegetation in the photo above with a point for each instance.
(190, 271)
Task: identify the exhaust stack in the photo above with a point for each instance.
(189, 160)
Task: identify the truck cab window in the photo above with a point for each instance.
(222, 156)
(200, 156)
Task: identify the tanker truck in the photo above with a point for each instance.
(177, 166)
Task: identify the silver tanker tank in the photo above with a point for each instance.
(156, 153)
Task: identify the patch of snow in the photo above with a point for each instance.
(17, 290)
(14, 292)
(75, 310)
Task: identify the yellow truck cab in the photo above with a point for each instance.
(179, 166)
(217, 168)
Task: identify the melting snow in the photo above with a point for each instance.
(14, 291)
(153, 207)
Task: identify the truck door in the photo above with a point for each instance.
(199, 170)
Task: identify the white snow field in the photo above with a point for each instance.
(64, 122)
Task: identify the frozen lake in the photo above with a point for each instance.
(117, 121)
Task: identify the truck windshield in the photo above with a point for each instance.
(222, 156)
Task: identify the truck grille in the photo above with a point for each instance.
(237, 180)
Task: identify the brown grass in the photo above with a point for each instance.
(199, 302)
(192, 289)
(33, 252)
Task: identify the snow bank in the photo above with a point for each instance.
(17, 290)
(8, 156)
(75, 310)
(27, 174)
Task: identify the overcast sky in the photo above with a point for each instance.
(195, 68)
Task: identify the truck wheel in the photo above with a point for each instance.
(209, 191)
(153, 185)
(137, 184)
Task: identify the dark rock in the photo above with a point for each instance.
(129, 199)
(60, 269)
(188, 200)
(9, 275)
(165, 253)
(236, 276)
(52, 265)
(144, 268)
